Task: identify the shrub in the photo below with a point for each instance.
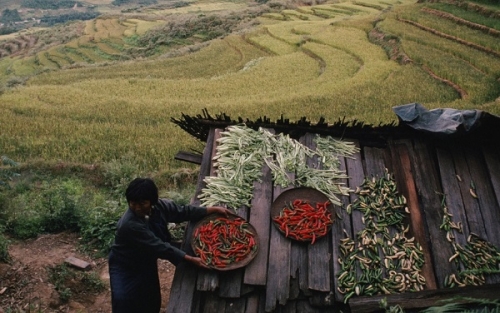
(7, 172)
(188, 31)
(4, 247)
(61, 208)
(52, 206)
(15, 81)
(179, 197)
(118, 173)
(22, 217)
(25, 226)
(98, 226)
(68, 282)
(41, 204)
(8, 16)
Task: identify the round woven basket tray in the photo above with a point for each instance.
(231, 266)
(286, 198)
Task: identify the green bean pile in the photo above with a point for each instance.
(476, 259)
(242, 152)
(239, 160)
(381, 259)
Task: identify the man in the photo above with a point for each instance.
(142, 237)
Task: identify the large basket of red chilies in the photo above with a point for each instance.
(224, 243)
(303, 214)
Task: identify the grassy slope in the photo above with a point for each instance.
(311, 61)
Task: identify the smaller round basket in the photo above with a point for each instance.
(306, 194)
(225, 242)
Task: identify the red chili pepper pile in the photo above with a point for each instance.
(224, 241)
(304, 222)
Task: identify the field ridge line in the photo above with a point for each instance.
(461, 21)
(450, 37)
(463, 94)
(321, 62)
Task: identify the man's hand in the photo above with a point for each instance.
(195, 260)
(218, 209)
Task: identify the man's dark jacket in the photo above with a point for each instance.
(139, 243)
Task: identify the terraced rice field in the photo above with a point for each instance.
(352, 59)
(103, 40)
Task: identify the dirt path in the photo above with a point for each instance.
(25, 286)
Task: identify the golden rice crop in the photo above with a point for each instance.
(340, 9)
(130, 27)
(143, 26)
(247, 52)
(23, 67)
(72, 44)
(271, 44)
(295, 15)
(305, 14)
(84, 41)
(5, 66)
(129, 32)
(305, 10)
(108, 28)
(100, 113)
(90, 28)
(45, 61)
(451, 28)
(355, 8)
(459, 71)
(99, 2)
(91, 134)
(469, 15)
(220, 58)
(128, 23)
(59, 57)
(274, 16)
(327, 14)
(98, 120)
(485, 62)
(114, 28)
(369, 101)
(287, 32)
(107, 48)
(73, 53)
(91, 54)
(338, 65)
(102, 29)
(352, 40)
(201, 7)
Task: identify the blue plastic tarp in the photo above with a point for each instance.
(443, 121)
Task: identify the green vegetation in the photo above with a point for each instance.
(7, 171)
(9, 16)
(44, 204)
(69, 282)
(474, 305)
(308, 62)
(48, 5)
(87, 200)
(187, 32)
(63, 18)
(487, 20)
(143, 2)
(73, 99)
(4, 247)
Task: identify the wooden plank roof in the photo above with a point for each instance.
(288, 276)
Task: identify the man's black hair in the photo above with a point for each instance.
(141, 189)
